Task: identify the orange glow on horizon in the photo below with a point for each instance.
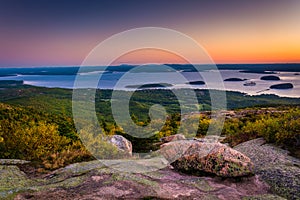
(254, 52)
(227, 48)
(155, 56)
(149, 56)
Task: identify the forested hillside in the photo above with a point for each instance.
(36, 123)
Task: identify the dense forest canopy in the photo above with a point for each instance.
(36, 123)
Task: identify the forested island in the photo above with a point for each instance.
(270, 78)
(234, 79)
(282, 86)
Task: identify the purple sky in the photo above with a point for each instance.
(60, 32)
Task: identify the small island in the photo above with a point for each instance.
(250, 83)
(282, 86)
(196, 83)
(270, 78)
(150, 85)
(235, 79)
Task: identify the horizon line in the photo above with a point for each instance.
(128, 64)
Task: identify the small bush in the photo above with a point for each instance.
(74, 153)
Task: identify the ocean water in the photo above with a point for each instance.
(122, 80)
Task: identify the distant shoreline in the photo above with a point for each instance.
(64, 77)
(292, 67)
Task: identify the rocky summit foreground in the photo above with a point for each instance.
(222, 173)
(93, 180)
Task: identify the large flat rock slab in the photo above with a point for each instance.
(93, 180)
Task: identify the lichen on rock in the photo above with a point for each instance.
(275, 166)
(205, 157)
(93, 180)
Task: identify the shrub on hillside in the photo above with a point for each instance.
(282, 128)
(30, 142)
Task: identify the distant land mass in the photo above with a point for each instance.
(9, 83)
(250, 68)
(246, 68)
(253, 71)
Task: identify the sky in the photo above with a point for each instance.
(63, 32)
